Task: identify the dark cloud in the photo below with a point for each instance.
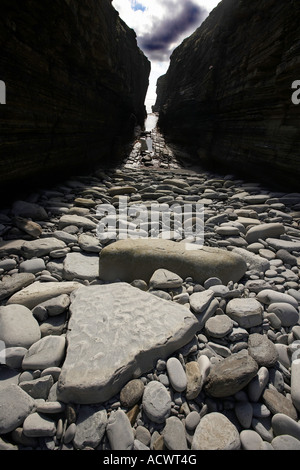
(156, 44)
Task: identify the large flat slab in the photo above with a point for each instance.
(131, 259)
(116, 333)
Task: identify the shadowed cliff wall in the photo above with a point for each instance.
(75, 87)
(227, 93)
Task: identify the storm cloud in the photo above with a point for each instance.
(179, 21)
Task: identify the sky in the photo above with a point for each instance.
(160, 26)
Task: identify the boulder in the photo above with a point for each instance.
(131, 259)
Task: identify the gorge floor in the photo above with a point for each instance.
(230, 383)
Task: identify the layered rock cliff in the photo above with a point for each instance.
(76, 83)
(227, 93)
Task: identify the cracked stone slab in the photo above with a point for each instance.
(117, 332)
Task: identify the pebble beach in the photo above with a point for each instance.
(227, 378)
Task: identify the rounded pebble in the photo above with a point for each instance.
(177, 375)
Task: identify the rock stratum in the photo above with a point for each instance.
(227, 93)
(75, 83)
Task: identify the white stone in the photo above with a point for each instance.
(117, 332)
(204, 365)
(177, 375)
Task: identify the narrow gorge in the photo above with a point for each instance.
(76, 83)
(226, 96)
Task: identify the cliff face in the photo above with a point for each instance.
(227, 93)
(75, 87)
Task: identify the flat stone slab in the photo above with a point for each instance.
(118, 332)
(131, 259)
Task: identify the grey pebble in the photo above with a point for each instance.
(285, 442)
